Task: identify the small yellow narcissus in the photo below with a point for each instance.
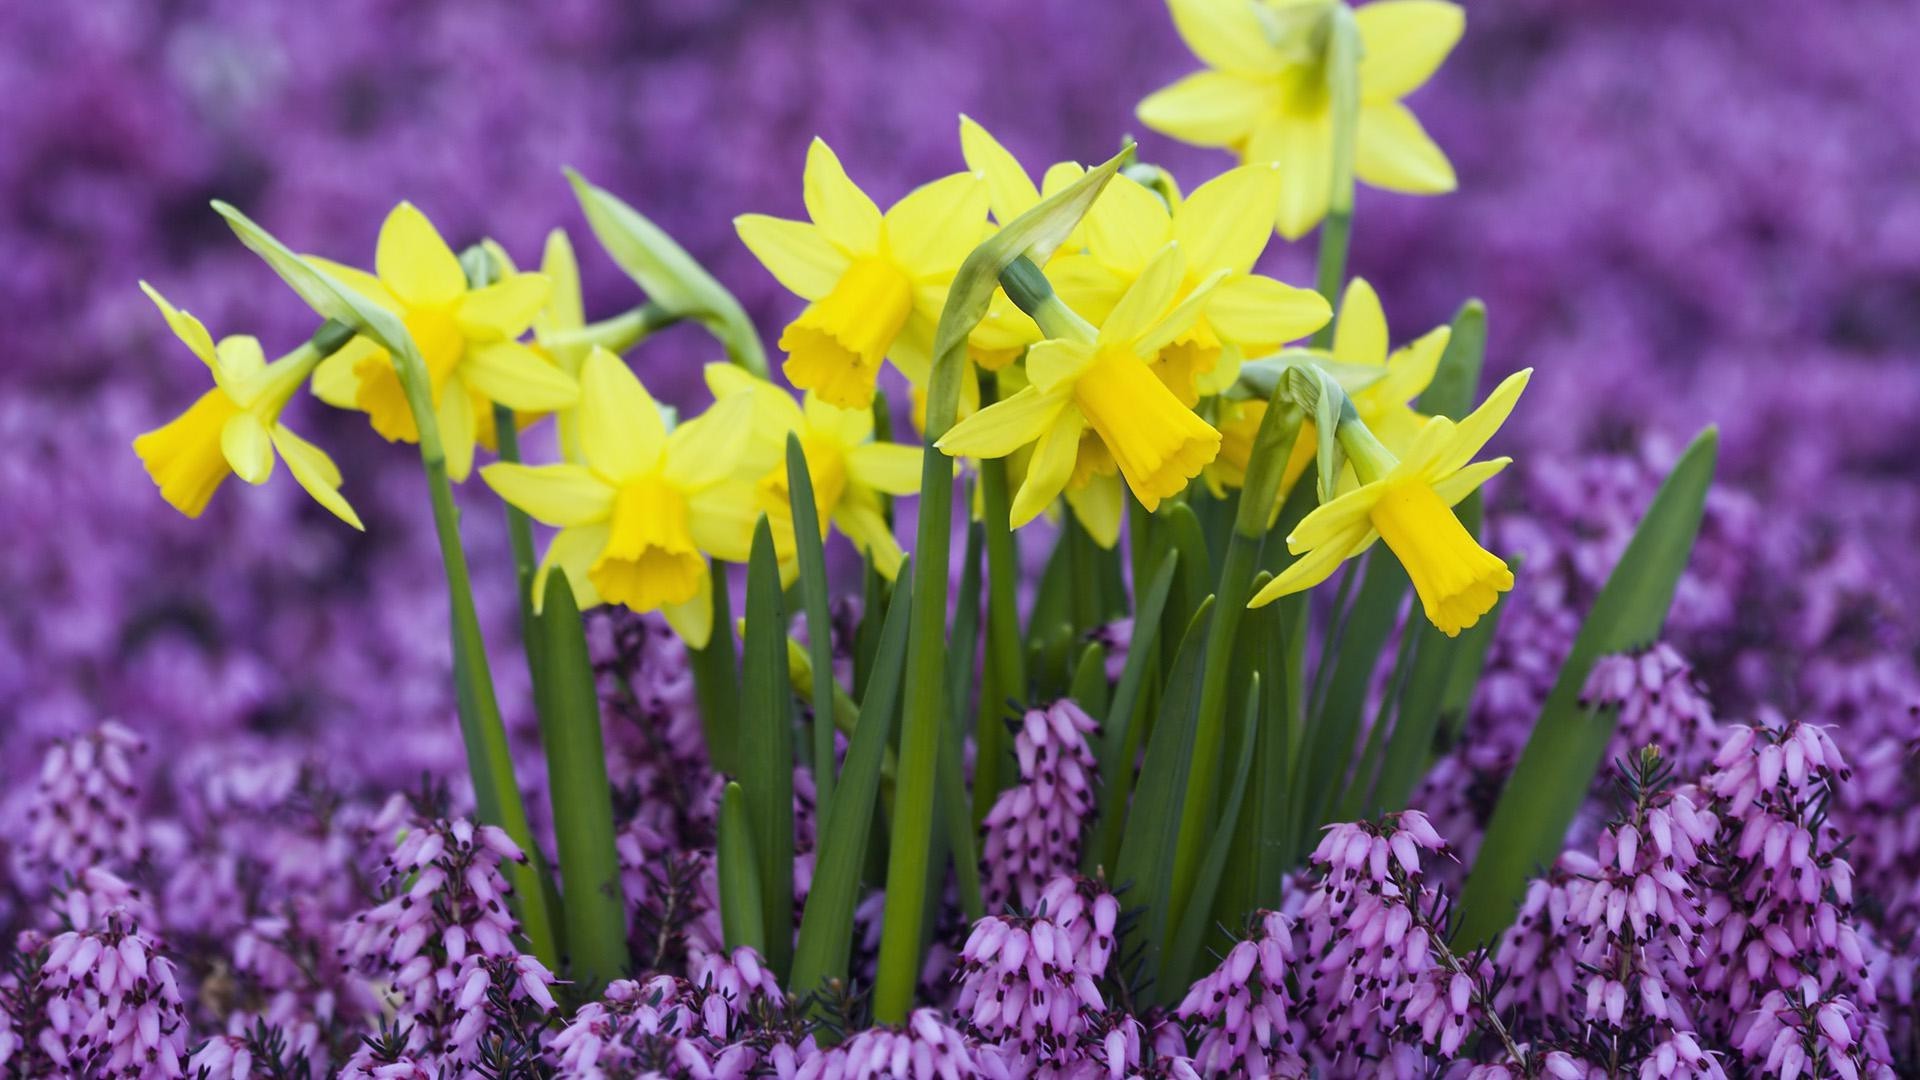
(235, 427)
(1264, 93)
(1101, 388)
(639, 518)
(848, 469)
(465, 337)
(875, 282)
(1407, 502)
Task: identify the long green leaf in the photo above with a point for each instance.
(740, 897)
(1452, 391)
(1089, 688)
(1184, 951)
(1120, 734)
(716, 678)
(595, 909)
(1556, 770)
(826, 926)
(811, 554)
(766, 770)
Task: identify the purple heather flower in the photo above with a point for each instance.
(1033, 830)
(113, 1004)
(1252, 1021)
(83, 810)
(1027, 981)
(1658, 704)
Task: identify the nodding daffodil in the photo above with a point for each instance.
(465, 337)
(1222, 227)
(1099, 384)
(639, 517)
(1264, 93)
(875, 282)
(235, 427)
(1407, 502)
(849, 471)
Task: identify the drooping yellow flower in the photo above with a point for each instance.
(1407, 502)
(1104, 387)
(1264, 93)
(849, 471)
(875, 282)
(235, 427)
(465, 336)
(640, 516)
(1222, 227)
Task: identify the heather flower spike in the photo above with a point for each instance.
(235, 428)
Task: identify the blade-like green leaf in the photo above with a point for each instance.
(826, 926)
(1458, 376)
(740, 899)
(766, 771)
(670, 276)
(595, 911)
(1556, 770)
(811, 555)
(716, 678)
(1003, 671)
(1089, 688)
(1120, 734)
(1184, 952)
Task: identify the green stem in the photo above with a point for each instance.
(496, 792)
(519, 532)
(1343, 88)
(1005, 662)
(619, 333)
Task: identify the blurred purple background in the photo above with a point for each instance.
(1678, 215)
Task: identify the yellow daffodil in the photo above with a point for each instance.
(465, 336)
(849, 471)
(1264, 93)
(1360, 338)
(235, 427)
(639, 517)
(1222, 227)
(1239, 423)
(1099, 385)
(875, 282)
(1407, 502)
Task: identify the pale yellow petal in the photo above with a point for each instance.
(1315, 566)
(334, 381)
(559, 495)
(794, 252)
(361, 282)
(1005, 426)
(931, 230)
(1250, 309)
(1394, 152)
(513, 375)
(1480, 425)
(316, 472)
(693, 619)
(248, 447)
(1179, 319)
(236, 361)
(621, 429)
(886, 467)
(1010, 191)
(415, 263)
(1127, 226)
(1227, 221)
(1147, 299)
(1330, 519)
(573, 552)
(458, 426)
(1100, 507)
(1049, 469)
(1410, 368)
(1303, 145)
(848, 219)
(1211, 108)
(1052, 362)
(867, 528)
(504, 309)
(1360, 337)
(849, 426)
(707, 449)
(184, 326)
(1226, 34)
(564, 310)
(1466, 481)
(722, 517)
(1403, 42)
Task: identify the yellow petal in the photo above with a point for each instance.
(513, 375)
(559, 495)
(1303, 145)
(707, 449)
(1331, 519)
(335, 382)
(1127, 226)
(1226, 34)
(1466, 481)
(1211, 108)
(1226, 222)
(847, 426)
(1050, 468)
(1050, 363)
(573, 552)
(184, 326)
(1480, 425)
(248, 447)
(316, 472)
(1249, 309)
(415, 263)
(504, 309)
(1360, 337)
(1410, 368)
(796, 253)
(236, 361)
(564, 310)
(1403, 42)
(1010, 191)
(1394, 152)
(621, 428)
(847, 217)
(458, 428)
(184, 457)
(868, 529)
(1147, 299)
(693, 619)
(931, 230)
(888, 467)
(1316, 565)
(1005, 426)
(722, 518)
(1181, 318)
(1099, 506)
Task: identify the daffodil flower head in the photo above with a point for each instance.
(1360, 338)
(1407, 502)
(875, 282)
(466, 338)
(1264, 93)
(1102, 385)
(1222, 228)
(848, 469)
(235, 427)
(646, 509)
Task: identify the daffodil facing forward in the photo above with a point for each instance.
(1097, 385)
(875, 282)
(466, 337)
(235, 427)
(1264, 93)
(1408, 503)
(848, 469)
(642, 514)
